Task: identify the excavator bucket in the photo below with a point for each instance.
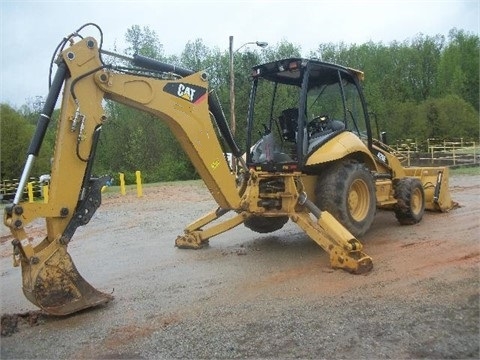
(435, 185)
(51, 281)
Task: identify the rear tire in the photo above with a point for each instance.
(347, 191)
(264, 225)
(410, 197)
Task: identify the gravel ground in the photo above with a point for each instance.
(252, 295)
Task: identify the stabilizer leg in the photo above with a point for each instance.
(195, 237)
(344, 249)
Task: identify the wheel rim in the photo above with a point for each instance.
(416, 201)
(358, 200)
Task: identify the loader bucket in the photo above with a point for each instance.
(51, 282)
(435, 185)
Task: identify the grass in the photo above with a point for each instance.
(465, 170)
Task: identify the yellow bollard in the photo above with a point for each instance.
(45, 194)
(138, 175)
(123, 191)
(30, 192)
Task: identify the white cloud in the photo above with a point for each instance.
(30, 30)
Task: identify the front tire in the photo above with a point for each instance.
(347, 191)
(410, 205)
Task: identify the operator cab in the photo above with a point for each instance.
(299, 105)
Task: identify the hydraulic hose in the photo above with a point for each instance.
(152, 64)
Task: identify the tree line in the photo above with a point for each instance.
(424, 87)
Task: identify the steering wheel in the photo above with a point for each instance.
(318, 124)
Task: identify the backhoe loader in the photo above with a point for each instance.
(309, 157)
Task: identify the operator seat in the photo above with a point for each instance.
(321, 128)
(289, 124)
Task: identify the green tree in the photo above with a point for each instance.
(283, 49)
(421, 63)
(16, 133)
(454, 116)
(143, 41)
(459, 67)
(15, 137)
(196, 55)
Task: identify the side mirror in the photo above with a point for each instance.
(383, 137)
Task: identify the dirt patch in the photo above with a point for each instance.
(12, 323)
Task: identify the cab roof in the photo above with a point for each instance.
(290, 71)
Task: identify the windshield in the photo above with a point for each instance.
(327, 101)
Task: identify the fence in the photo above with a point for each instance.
(8, 188)
(439, 152)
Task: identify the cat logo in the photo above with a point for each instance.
(189, 92)
(186, 92)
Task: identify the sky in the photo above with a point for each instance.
(31, 30)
